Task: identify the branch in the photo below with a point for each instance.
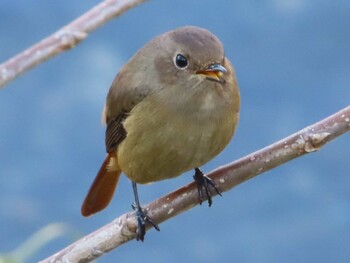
(122, 229)
(64, 39)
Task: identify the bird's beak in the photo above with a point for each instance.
(213, 71)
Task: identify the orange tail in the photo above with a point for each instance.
(103, 187)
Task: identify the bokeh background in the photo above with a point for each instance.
(292, 59)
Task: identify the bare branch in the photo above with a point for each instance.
(122, 229)
(64, 39)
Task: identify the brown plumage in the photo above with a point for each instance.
(172, 108)
(102, 189)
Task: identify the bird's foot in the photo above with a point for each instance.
(204, 182)
(142, 219)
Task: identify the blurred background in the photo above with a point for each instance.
(292, 59)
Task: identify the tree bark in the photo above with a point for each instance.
(64, 39)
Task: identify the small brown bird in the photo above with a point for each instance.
(172, 108)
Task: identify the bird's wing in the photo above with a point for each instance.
(115, 132)
(125, 93)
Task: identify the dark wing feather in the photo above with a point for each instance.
(115, 132)
(124, 94)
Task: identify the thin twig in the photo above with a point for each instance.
(122, 229)
(64, 39)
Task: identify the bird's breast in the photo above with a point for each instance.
(165, 140)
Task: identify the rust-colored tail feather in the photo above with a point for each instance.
(103, 187)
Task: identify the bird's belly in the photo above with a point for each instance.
(166, 146)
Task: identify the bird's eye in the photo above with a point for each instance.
(181, 61)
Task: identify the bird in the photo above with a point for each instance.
(172, 107)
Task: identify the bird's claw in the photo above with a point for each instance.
(204, 182)
(142, 219)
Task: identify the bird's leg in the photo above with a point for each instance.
(204, 182)
(141, 216)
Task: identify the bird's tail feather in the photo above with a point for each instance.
(103, 187)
